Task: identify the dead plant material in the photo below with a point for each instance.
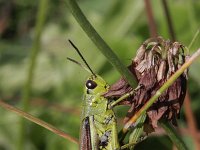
(156, 60)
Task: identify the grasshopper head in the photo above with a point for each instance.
(96, 85)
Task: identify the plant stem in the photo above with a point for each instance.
(194, 38)
(173, 135)
(191, 122)
(169, 20)
(164, 87)
(151, 20)
(100, 43)
(38, 121)
(41, 16)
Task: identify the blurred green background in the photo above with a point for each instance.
(57, 86)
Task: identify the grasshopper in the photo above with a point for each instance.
(99, 125)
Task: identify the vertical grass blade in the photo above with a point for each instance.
(99, 42)
(40, 20)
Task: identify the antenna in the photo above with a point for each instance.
(78, 63)
(81, 57)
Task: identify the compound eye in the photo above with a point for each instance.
(91, 84)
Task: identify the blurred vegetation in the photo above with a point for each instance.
(58, 84)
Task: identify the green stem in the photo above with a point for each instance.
(41, 16)
(194, 39)
(173, 135)
(100, 43)
(164, 87)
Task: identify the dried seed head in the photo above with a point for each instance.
(156, 60)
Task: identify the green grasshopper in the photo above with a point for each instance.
(99, 125)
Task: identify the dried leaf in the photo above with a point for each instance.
(156, 60)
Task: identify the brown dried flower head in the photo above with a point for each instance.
(156, 60)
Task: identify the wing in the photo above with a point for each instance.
(88, 135)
